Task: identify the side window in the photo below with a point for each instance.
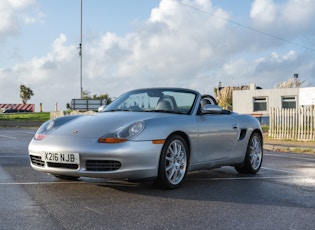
(260, 104)
(288, 102)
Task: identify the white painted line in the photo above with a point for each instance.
(291, 157)
(285, 171)
(5, 136)
(195, 179)
(39, 183)
(247, 178)
(13, 156)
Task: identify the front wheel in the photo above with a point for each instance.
(254, 156)
(173, 163)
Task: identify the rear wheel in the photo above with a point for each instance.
(173, 163)
(254, 155)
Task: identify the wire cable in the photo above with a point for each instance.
(247, 27)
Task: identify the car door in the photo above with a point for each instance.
(217, 136)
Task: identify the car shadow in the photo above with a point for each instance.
(222, 185)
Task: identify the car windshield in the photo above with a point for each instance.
(178, 101)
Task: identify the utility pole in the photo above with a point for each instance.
(81, 54)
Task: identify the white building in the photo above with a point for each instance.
(258, 101)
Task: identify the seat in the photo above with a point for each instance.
(164, 105)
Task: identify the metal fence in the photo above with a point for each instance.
(293, 124)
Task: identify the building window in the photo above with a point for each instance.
(260, 104)
(289, 102)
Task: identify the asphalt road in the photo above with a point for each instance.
(281, 196)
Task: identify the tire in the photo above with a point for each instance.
(173, 163)
(254, 156)
(64, 177)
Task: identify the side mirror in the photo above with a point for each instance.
(101, 108)
(211, 109)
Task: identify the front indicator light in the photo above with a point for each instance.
(111, 140)
(158, 142)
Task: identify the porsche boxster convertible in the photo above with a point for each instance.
(158, 134)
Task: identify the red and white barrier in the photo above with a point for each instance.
(26, 107)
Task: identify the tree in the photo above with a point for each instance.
(103, 97)
(224, 95)
(86, 95)
(293, 82)
(25, 93)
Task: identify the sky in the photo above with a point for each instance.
(135, 44)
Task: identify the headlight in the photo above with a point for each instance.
(131, 130)
(44, 130)
(124, 134)
(51, 125)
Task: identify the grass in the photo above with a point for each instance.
(265, 128)
(303, 150)
(43, 116)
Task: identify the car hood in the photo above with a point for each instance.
(97, 125)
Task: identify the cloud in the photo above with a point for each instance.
(263, 11)
(176, 46)
(52, 77)
(275, 62)
(288, 18)
(8, 20)
(166, 50)
(13, 13)
(18, 4)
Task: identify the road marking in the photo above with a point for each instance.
(39, 183)
(5, 136)
(291, 157)
(14, 156)
(285, 171)
(247, 178)
(194, 179)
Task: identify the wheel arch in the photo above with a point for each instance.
(259, 132)
(186, 138)
(247, 165)
(165, 179)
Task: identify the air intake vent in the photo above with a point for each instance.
(102, 165)
(37, 160)
(61, 165)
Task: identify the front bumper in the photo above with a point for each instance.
(128, 160)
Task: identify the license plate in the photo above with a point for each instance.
(65, 158)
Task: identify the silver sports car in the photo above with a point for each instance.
(156, 133)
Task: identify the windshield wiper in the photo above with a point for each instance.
(118, 110)
(165, 111)
(157, 111)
